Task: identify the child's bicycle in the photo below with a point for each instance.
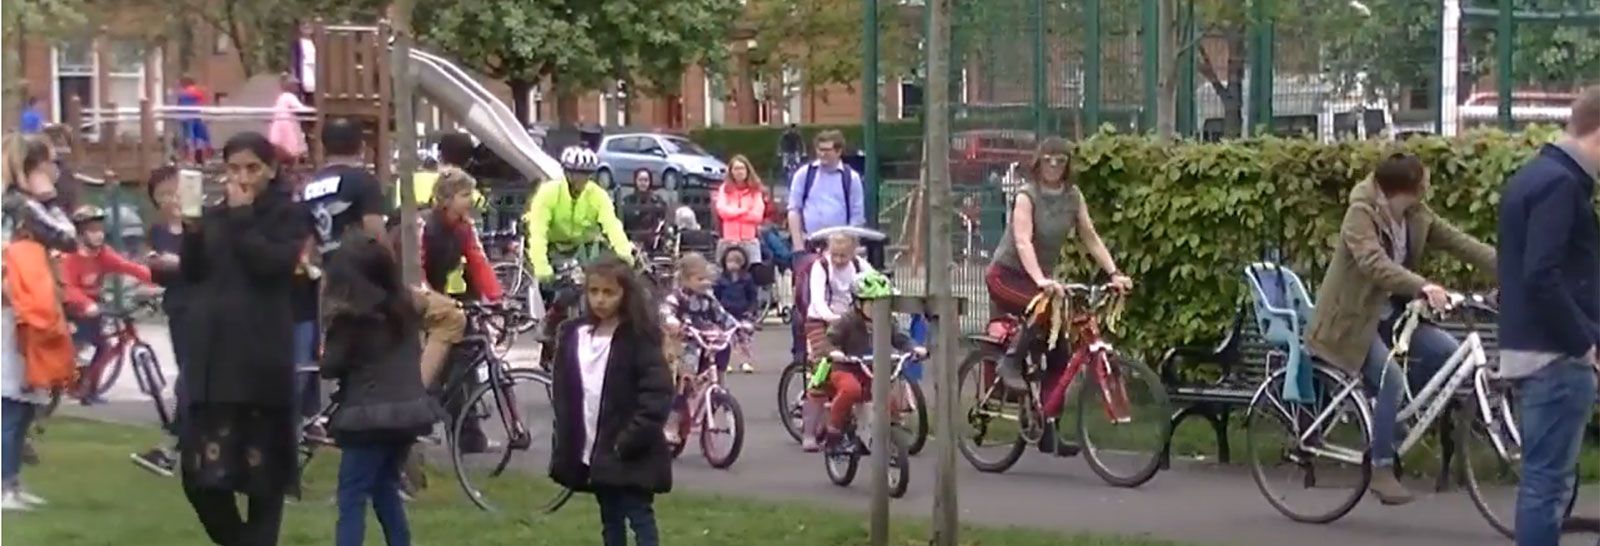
(910, 405)
(842, 457)
(706, 404)
(123, 346)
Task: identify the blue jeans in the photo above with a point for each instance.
(1430, 348)
(87, 333)
(371, 471)
(18, 416)
(623, 508)
(1555, 403)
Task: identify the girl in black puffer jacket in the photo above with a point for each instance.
(373, 349)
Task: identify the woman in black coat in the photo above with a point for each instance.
(239, 259)
(611, 392)
(374, 350)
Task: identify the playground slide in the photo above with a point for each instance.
(455, 91)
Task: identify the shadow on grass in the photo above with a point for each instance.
(98, 499)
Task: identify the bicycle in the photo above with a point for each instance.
(1465, 382)
(842, 459)
(912, 411)
(1017, 418)
(125, 347)
(703, 395)
(483, 388)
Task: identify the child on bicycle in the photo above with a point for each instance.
(693, 305)
(829, 297)
(374, 350)
(852, 335)
(82, 272)
(737, 292)
(611, 393)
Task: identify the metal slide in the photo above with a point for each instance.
(455, 91)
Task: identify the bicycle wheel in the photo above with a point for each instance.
(147, 372)
(913, 417)
(792, 396)
(1123, 420)
(722, 433)
(1491, 453)
(992, 440)
(899, 468)
(1315, 449)
(510, 416)
(842, 464)
(112, 371)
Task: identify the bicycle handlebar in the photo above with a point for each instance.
(716, 340)
(1458, 302)
(1098, 294)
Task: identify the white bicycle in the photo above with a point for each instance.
(1322, 454)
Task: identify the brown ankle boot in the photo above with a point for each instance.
(1388, 488)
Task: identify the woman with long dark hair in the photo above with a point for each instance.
(239, 258)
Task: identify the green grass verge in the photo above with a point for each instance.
(98, 499)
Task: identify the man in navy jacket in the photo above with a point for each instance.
(1550, 313)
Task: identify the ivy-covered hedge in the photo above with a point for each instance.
(1184, 218)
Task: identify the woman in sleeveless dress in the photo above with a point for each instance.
(1048, 213)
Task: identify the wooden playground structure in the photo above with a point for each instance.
(353, 82)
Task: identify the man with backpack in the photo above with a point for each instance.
(823, 194)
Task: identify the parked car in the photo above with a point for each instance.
(675, 162)
(981, 156)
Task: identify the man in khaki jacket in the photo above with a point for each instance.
(1381, 240)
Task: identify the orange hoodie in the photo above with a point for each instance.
(42, 335)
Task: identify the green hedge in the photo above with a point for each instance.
(1184, 218)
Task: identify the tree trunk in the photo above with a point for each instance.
(1167, 101)
(519, 99)
(1233, 101)
(566, 109)
(247, 60)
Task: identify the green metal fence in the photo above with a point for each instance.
(1325, 69)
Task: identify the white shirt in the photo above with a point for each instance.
(308, 65)
(594, 352)
(828, 303)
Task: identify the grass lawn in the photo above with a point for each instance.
(98, 499)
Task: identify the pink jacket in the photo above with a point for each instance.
(741, 210)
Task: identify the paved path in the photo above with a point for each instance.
(1195, 502)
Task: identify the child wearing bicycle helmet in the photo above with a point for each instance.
(693, 304)
(82, 273)
(846, 383)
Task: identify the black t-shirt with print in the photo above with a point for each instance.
(337, 197)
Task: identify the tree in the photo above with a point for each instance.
(821, 40)
(577, 45)
(259, 31)
(1393, 43)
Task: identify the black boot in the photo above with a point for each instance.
(1049, 444)
(1011, 365)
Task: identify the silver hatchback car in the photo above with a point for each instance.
(674, 162)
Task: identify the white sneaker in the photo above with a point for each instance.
(30, 498)
(747, 368)
(672, 436)
(10, 501)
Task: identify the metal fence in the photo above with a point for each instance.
(1324, 69)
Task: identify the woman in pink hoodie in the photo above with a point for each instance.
(741, 205)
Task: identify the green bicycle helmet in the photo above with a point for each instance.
(872, 285)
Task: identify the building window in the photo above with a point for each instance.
(221, 43)
(76, 71)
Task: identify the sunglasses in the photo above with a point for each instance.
(1055, 159)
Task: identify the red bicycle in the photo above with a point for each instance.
(1122, 442)
(124, 347)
